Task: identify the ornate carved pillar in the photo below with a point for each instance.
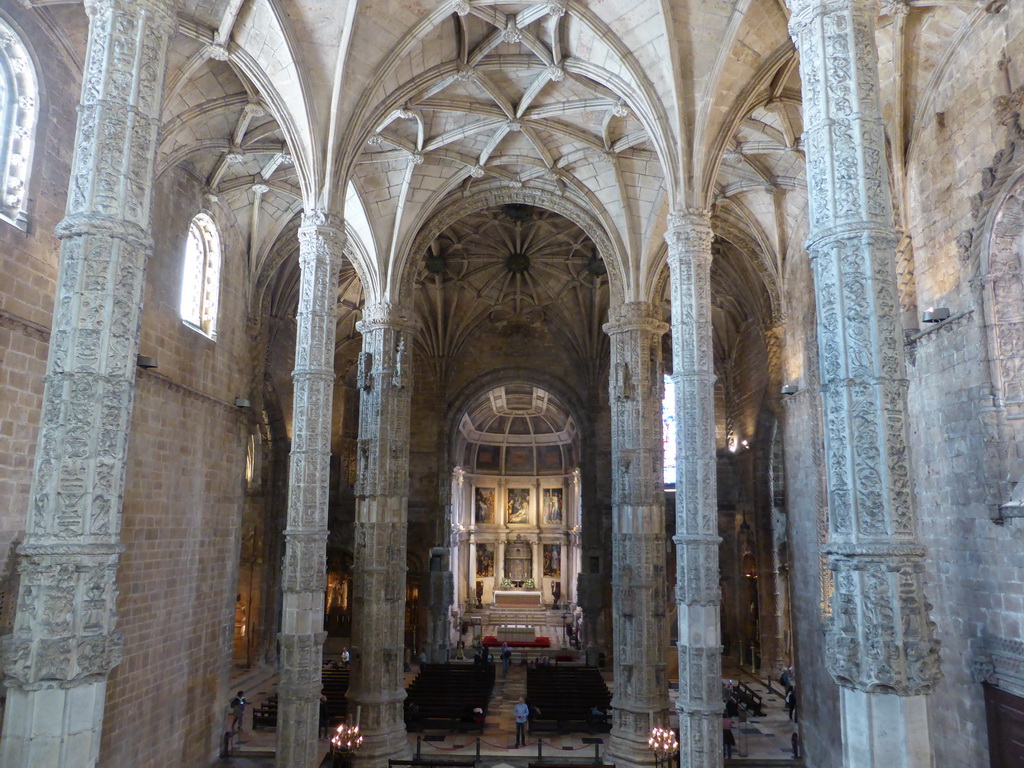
(382, 507)
(304, 577)
(698, 594)
(771, 518)
(872, 546)
(441, 594)
(638, 531)
(65, 641)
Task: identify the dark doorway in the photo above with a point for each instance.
(1005, 715)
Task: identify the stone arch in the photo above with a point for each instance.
(19, 113)
(1002, 285)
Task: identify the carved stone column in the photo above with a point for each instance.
(442, 590)
(771, 522)
(638, 531)
(304, 577)
(881, 647)
(698, 595)
(65, 641)
(382, 501)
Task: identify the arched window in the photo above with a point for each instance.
(668, 418)
(18, 110)
(200, 284)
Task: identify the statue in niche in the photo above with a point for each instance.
(518, 561)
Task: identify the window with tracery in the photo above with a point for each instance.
(200, 284)
(18, 109)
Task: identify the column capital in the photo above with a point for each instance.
(635, 316)
(689, 230)
(387, 314)
(321, 234)
(163, 14)
(318, 218)
(804, 12)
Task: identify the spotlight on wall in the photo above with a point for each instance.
(241, 402)
(145, 361)
(935, 314)
(788, 389)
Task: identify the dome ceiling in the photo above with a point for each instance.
(518, 429)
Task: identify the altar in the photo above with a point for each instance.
(517, 597)
(516, 633)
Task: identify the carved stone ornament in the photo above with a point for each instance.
(511, 34)
(217, 52)
(638, 545)
(556, 8)
(880, 639)
(689, 238)
(303, 579)
(895, 8)
(380, 527)
(65, 635)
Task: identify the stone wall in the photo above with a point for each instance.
(962, 448)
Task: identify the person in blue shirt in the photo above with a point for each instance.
(521, 712)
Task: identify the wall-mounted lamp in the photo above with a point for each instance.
(241, 402)
(145, 361)
(788, 389)
(935, 314)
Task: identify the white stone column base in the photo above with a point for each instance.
(624, 751)
(53, 726)
(885, 730)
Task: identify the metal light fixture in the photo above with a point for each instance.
(241, 402)
(935, 314)
(145, 361)
(664, 744)
(345, 743)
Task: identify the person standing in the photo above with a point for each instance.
(345, 658)
(506, 659)
(237, 712)
(728, 740)
(521, 712)
(324, 717)
(791, 703)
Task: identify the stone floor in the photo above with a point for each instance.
(761, 741)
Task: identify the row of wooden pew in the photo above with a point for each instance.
(564, 699)
(335, 687)
(447, 695)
